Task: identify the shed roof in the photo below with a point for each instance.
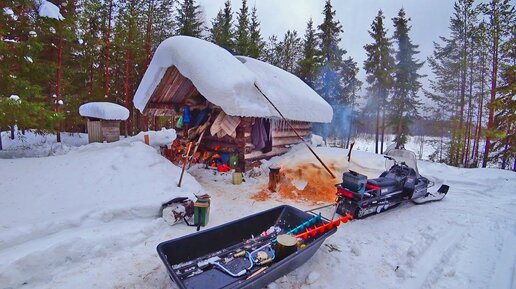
(104, 110)
(183, 66)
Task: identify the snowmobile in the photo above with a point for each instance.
(401, 182)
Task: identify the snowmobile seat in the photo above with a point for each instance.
(383, 182)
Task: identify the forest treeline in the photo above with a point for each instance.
(99, 50)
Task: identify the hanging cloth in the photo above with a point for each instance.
(258, 134)
(268, 136)
(225, 125)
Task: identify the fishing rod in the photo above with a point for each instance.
(295, 131)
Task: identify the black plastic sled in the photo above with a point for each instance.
(246, 253)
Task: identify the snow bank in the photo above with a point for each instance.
(32, 144)
(49, 9)
(104, 110)
(90, 203)
(226, 82)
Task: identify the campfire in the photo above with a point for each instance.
(307, 182)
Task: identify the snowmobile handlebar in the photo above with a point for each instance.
(389, 158)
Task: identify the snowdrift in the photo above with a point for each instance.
(81, 205)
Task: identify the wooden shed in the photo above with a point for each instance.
(103, 120)
(190, 78)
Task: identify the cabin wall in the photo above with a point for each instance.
(283, 137)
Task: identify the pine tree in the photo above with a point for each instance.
(188, 19)
(501, 18)
(309, 64)
(272, 51)
(379, 67)
(450, 63)
(242, 30)
(480, 39)
(221, 31)
(256, 43)
(329, 85)
(290, 51)
(405, 100)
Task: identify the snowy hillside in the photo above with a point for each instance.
(89, 219)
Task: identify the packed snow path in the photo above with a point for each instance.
(105, 235)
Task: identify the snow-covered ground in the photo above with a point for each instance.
(88, 218)
(422, 146)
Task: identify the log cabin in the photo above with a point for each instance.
(242, 95)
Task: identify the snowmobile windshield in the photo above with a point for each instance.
(408, 157)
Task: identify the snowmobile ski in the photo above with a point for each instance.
(435, 197)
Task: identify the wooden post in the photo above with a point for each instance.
(274, 178)
(185, 163)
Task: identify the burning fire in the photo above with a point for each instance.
(307, 182)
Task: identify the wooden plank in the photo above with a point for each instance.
(110, 130)
(259, 155)
(290, 133)
(285, 141)
(94, 131)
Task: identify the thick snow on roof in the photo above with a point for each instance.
(48, 9)
(228, 83)
(293, 97)
(104, 110)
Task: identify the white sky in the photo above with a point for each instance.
(430, 19)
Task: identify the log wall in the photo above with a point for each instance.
(283, 137)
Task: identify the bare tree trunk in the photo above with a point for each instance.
(90, 86)
(148, 34)
(383, 129)
(480, 110)
(494, 77)
(127, 75)
(107, 56)
(467, 139)
(377, 128)
(59, 77)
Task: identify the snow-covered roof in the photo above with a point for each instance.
(49, 9)
(292, 96)
(227, 82)
(104, 110)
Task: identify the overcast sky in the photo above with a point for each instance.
(430, 19)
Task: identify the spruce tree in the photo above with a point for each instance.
(188, 19)
(256, 43)
(329, 84)
(222, 31)
(242, 30)
(351, 85)
(309, 64)
(405, 101)
(379, 67)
